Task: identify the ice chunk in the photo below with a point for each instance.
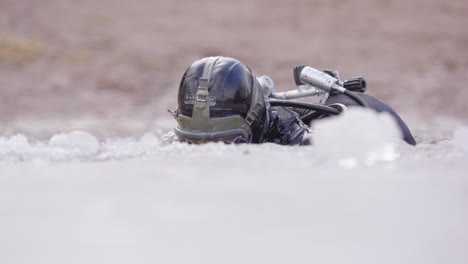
(130, 147)
(10, 146)
(14, 143)
(78, 141)
(360, 136)
(149, 139)
(460, 139)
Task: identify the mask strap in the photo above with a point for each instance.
(201, 119)
(258, 105)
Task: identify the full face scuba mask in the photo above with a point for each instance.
(197, 126)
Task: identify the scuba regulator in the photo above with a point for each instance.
(311, 82)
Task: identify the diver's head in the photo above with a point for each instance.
(220, 99)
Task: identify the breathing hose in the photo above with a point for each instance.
(356, 98)
(316, 107)
(314, 114)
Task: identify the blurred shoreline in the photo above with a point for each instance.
(113, 67)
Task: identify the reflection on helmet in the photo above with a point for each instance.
(220, 100)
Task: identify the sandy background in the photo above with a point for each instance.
(112, 67)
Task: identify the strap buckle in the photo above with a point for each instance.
(250, 118)
(202, 92)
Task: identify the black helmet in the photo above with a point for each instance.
(220, 99)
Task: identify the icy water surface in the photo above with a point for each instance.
(361, 138)
(348, 199)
